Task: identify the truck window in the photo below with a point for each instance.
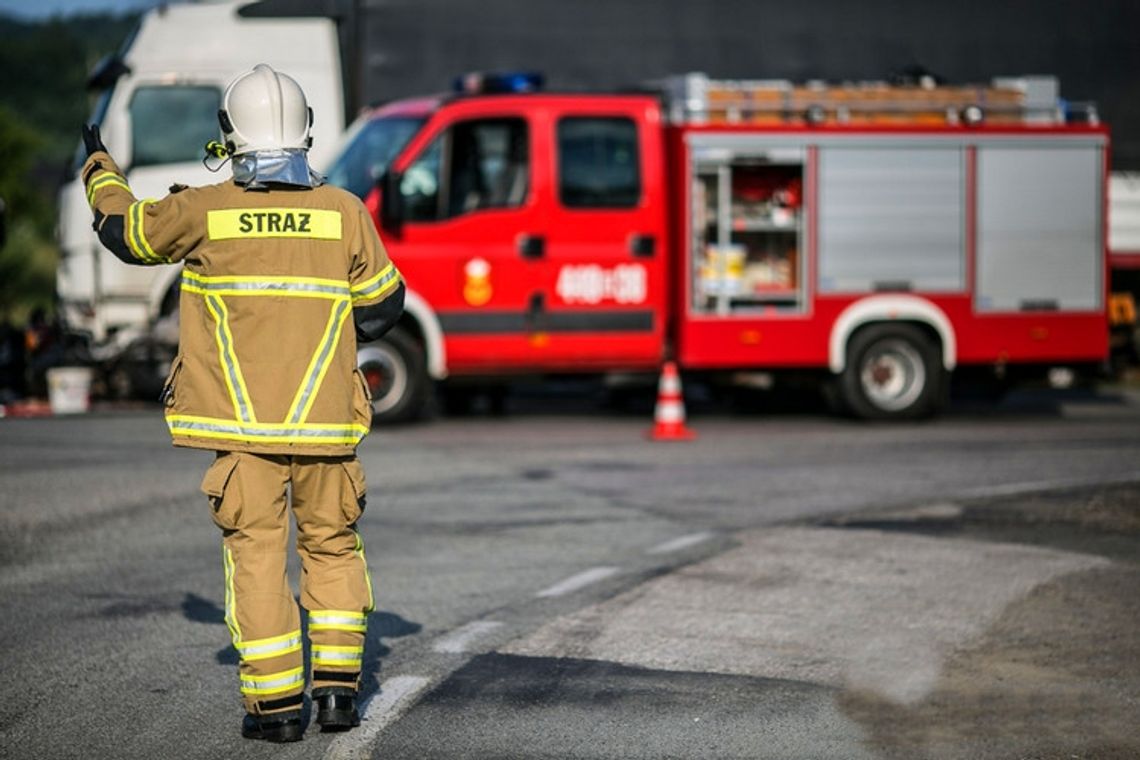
(172, 123)
(597, 163)
(474, 165)
(368, 153)
(420, 184)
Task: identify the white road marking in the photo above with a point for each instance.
(395, 696)
(579, 581)
(679, 543)
(458, 640)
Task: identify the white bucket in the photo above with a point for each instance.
(69, 389)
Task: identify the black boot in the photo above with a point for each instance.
(275, 727)
(336, 708)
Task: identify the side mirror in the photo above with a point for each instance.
(106, 72)
(391, 202)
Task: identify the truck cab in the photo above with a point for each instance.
(530, 229)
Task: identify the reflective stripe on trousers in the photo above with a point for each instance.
(337, 620)
(263, 649)
(338, 656)
(274, 683)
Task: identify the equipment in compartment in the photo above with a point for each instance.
(748, 213)
(766, 195)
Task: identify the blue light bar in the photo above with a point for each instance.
(479, 82)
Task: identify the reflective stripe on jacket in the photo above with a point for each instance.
(270, 279)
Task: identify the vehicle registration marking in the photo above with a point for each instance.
(593, 284)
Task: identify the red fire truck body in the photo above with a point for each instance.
(969, 335)
(886, 246)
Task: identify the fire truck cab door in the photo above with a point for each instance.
(467, 191)
(605, 249)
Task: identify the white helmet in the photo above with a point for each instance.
(264, 110)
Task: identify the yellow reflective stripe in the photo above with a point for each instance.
(318, 364)
(136, 238)
(274, 682)
(265, 286)
(356, 649)
(378, 290)
(384, 276)
(367, 576)
(231, 608)
(129, 233)
(337, 620)
(263, 649)
(338, 656)
(265, 432)
(235, 383)
(227, 224)
(100, 181)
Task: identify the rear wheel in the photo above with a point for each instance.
(396, 372)
(893, 372)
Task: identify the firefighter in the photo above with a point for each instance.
(274, 264)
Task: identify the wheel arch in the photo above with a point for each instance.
(891, 309)
(420, 320)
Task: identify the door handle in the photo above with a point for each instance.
(532, 246)
(643, 246)
(536, 306)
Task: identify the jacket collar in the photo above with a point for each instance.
(260, 169)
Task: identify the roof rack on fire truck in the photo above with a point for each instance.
(696, 98)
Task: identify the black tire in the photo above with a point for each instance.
(893, 372)
(396, 371)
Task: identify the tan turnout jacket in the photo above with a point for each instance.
(267, 354)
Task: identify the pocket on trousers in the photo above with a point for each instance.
(214, 484)
(361, 400)
(354, 508)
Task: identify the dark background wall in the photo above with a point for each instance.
(419, 46)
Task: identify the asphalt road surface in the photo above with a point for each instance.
(553, 585)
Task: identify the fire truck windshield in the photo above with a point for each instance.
(367, 153)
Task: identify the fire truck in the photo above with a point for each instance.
(879, 238)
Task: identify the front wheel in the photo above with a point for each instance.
(396, 372)
(893, 372)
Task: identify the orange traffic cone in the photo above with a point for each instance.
(669, 414)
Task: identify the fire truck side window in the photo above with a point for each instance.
(597, 163)
(474, 165)
(420, 184)
(489, 165)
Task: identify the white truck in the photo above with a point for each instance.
(157, 109)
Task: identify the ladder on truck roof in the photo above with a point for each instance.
(697, 99)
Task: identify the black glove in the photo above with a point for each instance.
(91, 139)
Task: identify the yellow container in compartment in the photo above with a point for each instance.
(722, 270)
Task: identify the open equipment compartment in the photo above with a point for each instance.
(748, 232)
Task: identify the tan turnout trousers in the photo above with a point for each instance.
(249, 496)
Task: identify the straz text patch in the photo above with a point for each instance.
(274, 223)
